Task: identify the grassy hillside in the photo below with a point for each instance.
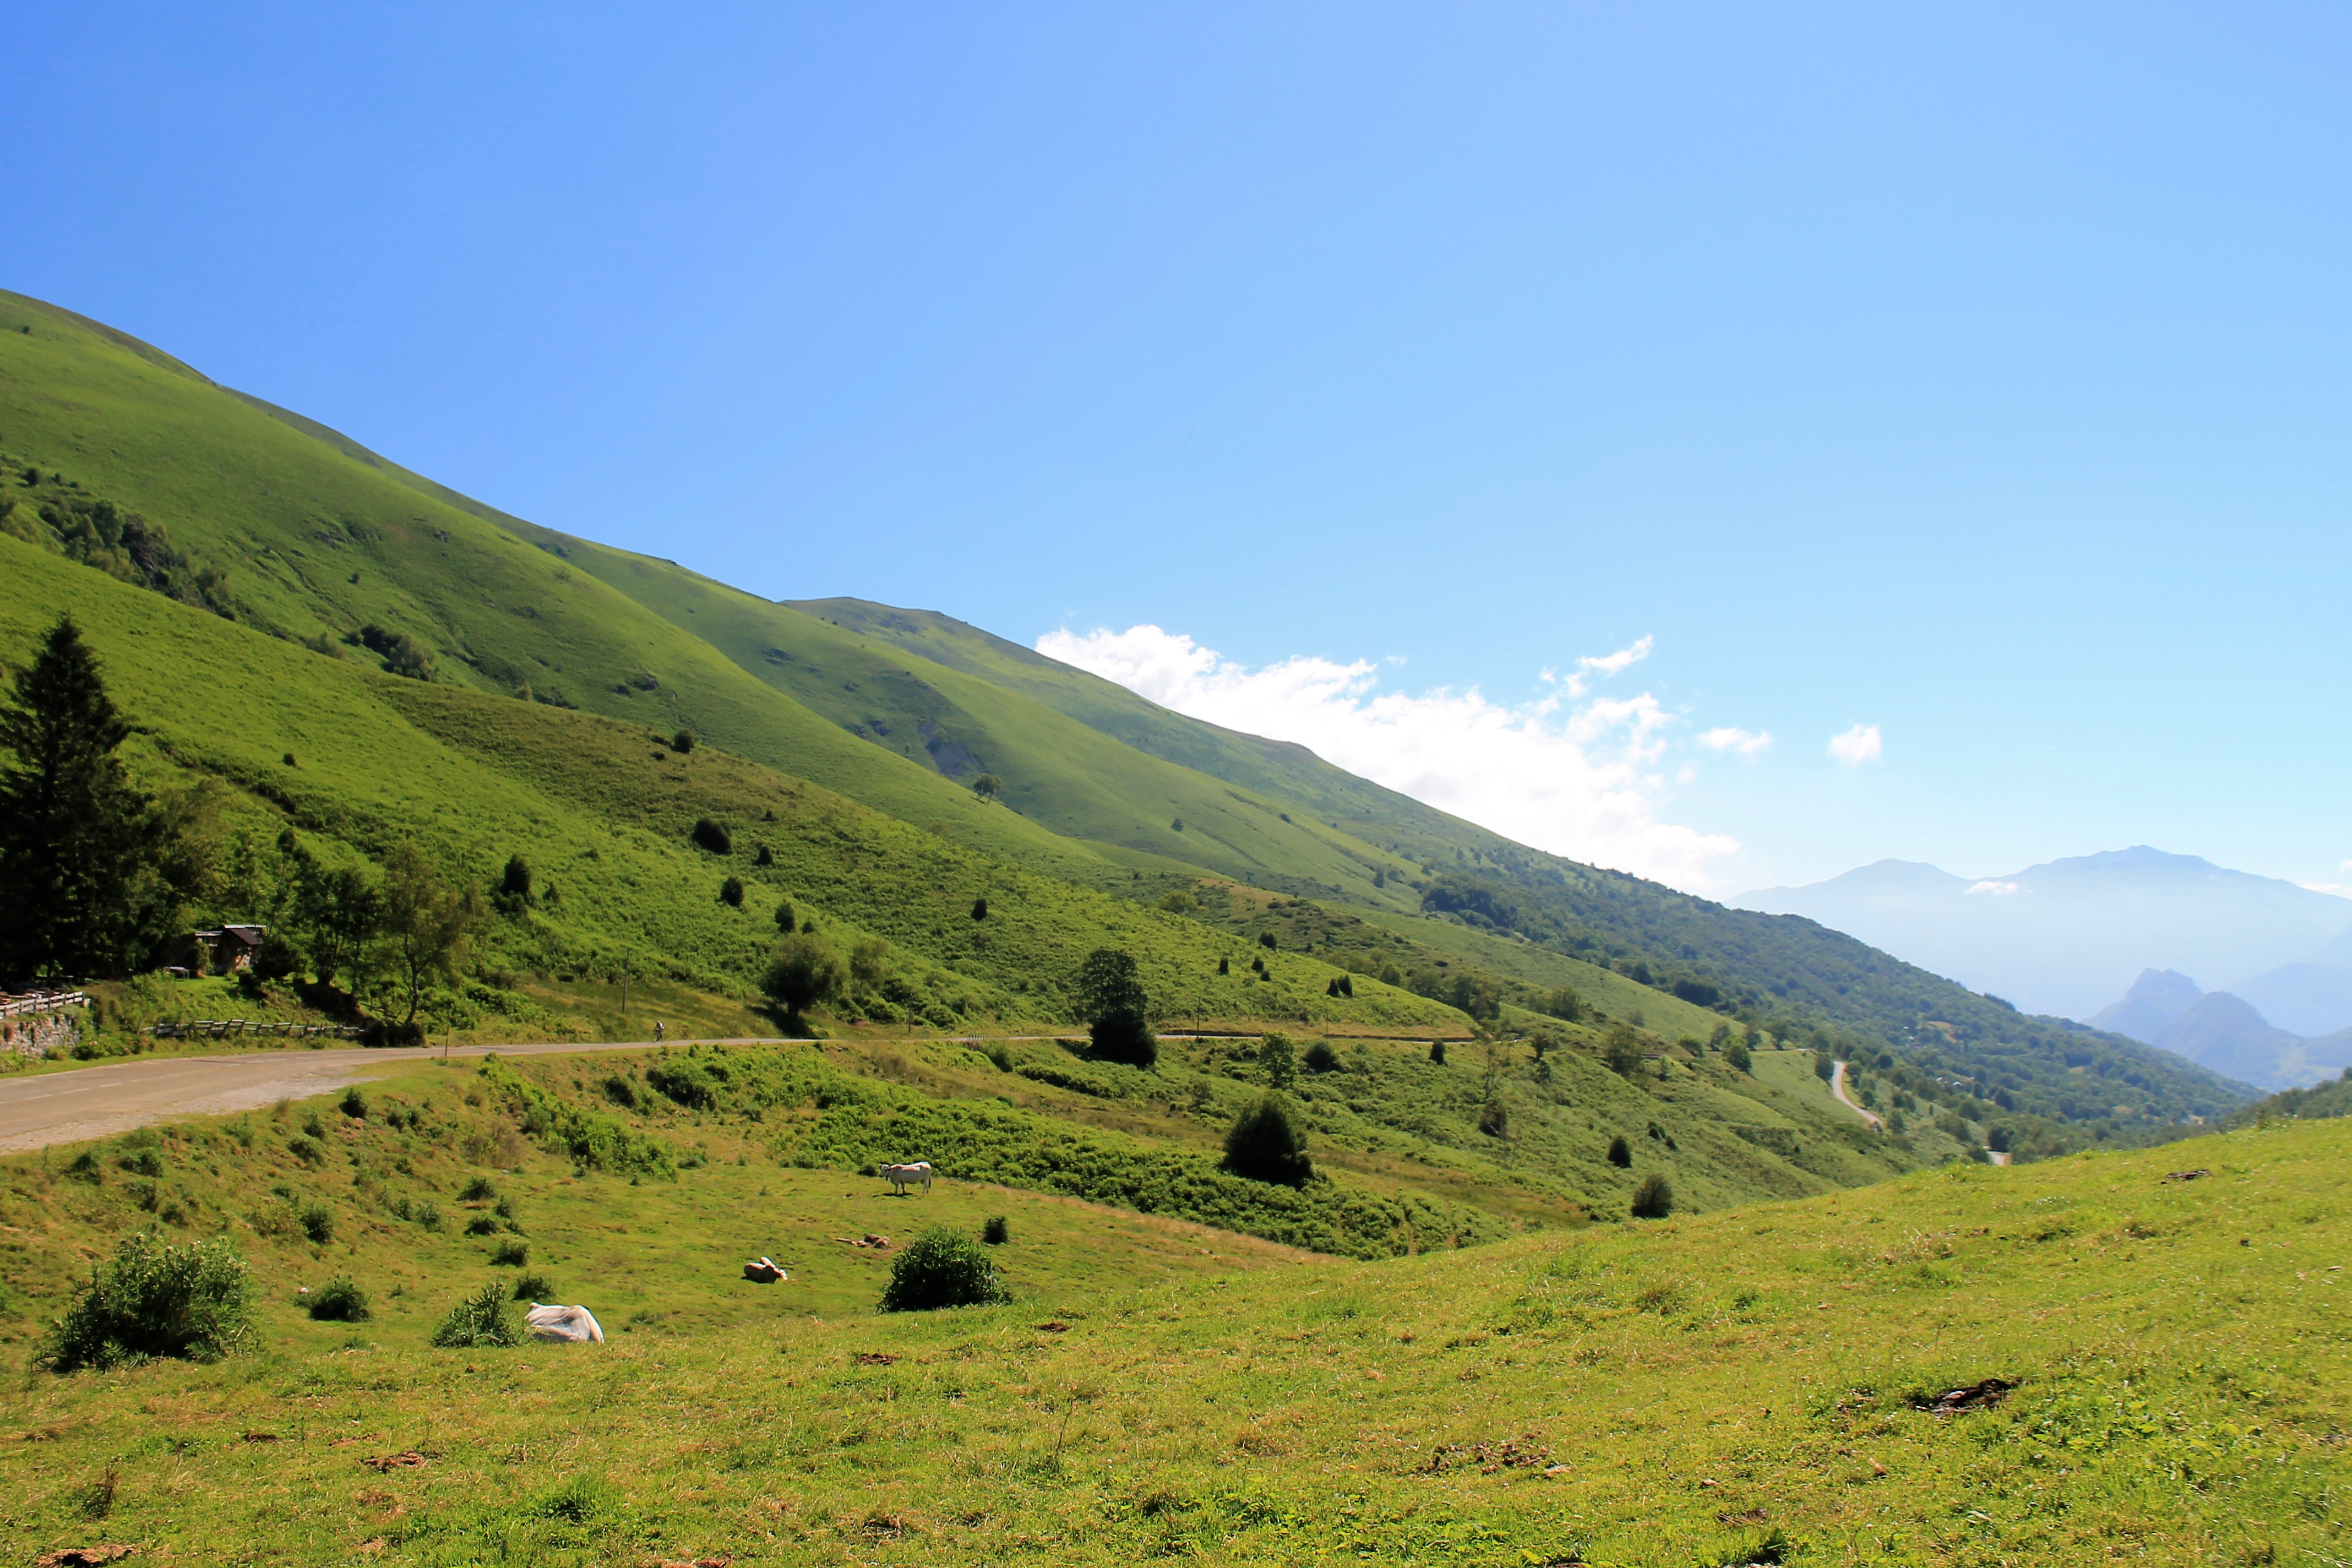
(2158, 1376)
(138, 467)
(605, 816)
(1783, 971)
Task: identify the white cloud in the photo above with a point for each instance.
(1732, 738)
(2341, 889)
(1998, 889)
(1577, 779)
(1856, 746)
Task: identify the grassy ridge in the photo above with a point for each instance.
(1747, 1386)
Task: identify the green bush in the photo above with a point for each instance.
(151, 1300)
(1266, 1144)
(485, 1318)
(1320, 1058)
(511, 1254)
(476, 1190)
(708, 835)
(339, 1301)
(804, 972)
(730, 892)
(1736, 1052)
(318, 1222)
(481, 1225)
(532, 1288)
(941, 1268)
(1654, 1198)
(996, 1231)
(1620, 1154)
(354, 1104)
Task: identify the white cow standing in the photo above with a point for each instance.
(901, 1177)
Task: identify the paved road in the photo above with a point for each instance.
(114, 1096)
(1837, 1088)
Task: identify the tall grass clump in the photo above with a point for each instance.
(193, 1301)
(485, 1318)
(943, 1267)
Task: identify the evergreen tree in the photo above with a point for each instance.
(71, 824)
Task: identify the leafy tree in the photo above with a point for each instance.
(426, 921)
(1654, 1198)
(786, 916)
(1111, 996)
(764, 856)
(1278, 1060)
(71, 824)
(941, 1268)
(1320, 1058)
(988, 786)
(151, 1300)
(804, 972)
(1266, 1144)
(1620, 1049)
(730, 892)
(1224, 965)
(1736, 1052)
(402, 655)
(869, 963)
(1620, 1154)
(980, 908)
(514, 883)
(1266, 940)
(996, 1230)
(1824, 1068)
(682, 743)
(340, 914)
(708, 834)
(1437, 1052)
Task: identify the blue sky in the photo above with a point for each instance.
(1972, 372)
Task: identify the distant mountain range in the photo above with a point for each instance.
(2224, 1032)
(2071, 936)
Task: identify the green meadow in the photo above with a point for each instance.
(2157, 1364)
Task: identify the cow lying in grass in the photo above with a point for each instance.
(901, 1177)
(563, 1325)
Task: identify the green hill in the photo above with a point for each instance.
(2075, 1362)
(136, 467)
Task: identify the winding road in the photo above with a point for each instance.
(1837, 1089)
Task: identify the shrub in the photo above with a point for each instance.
(1823, 1069)
(1437, 1052)
(996, 1231)
(511, 1254)
(1494, 1120)
(980, 908)
(620, 1091)
(1320, 1058)
(763, 855)
(1124, 1036)
(1654, 1198)
(532, 1288)
(708, 834)
(1266, 940)
(730, 892)
(1266, 1144)
(428, 1215)
(786, 917)
(339, 1301)
(154, 1300)
(686, 1082)
(318, 1222)
(682, 743)
(1736, 1052)
(1620, 1154)
(354, 1104)
(485, 1318)
(481, 1225)
(477, 1189)
(942, 1268)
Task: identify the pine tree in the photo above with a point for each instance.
(70, 821)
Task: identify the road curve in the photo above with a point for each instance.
(114, 1096)
(1837, 1088)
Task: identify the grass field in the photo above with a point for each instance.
(1743, 1386)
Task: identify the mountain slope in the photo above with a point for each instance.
(301, 535)
(2155, 999)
